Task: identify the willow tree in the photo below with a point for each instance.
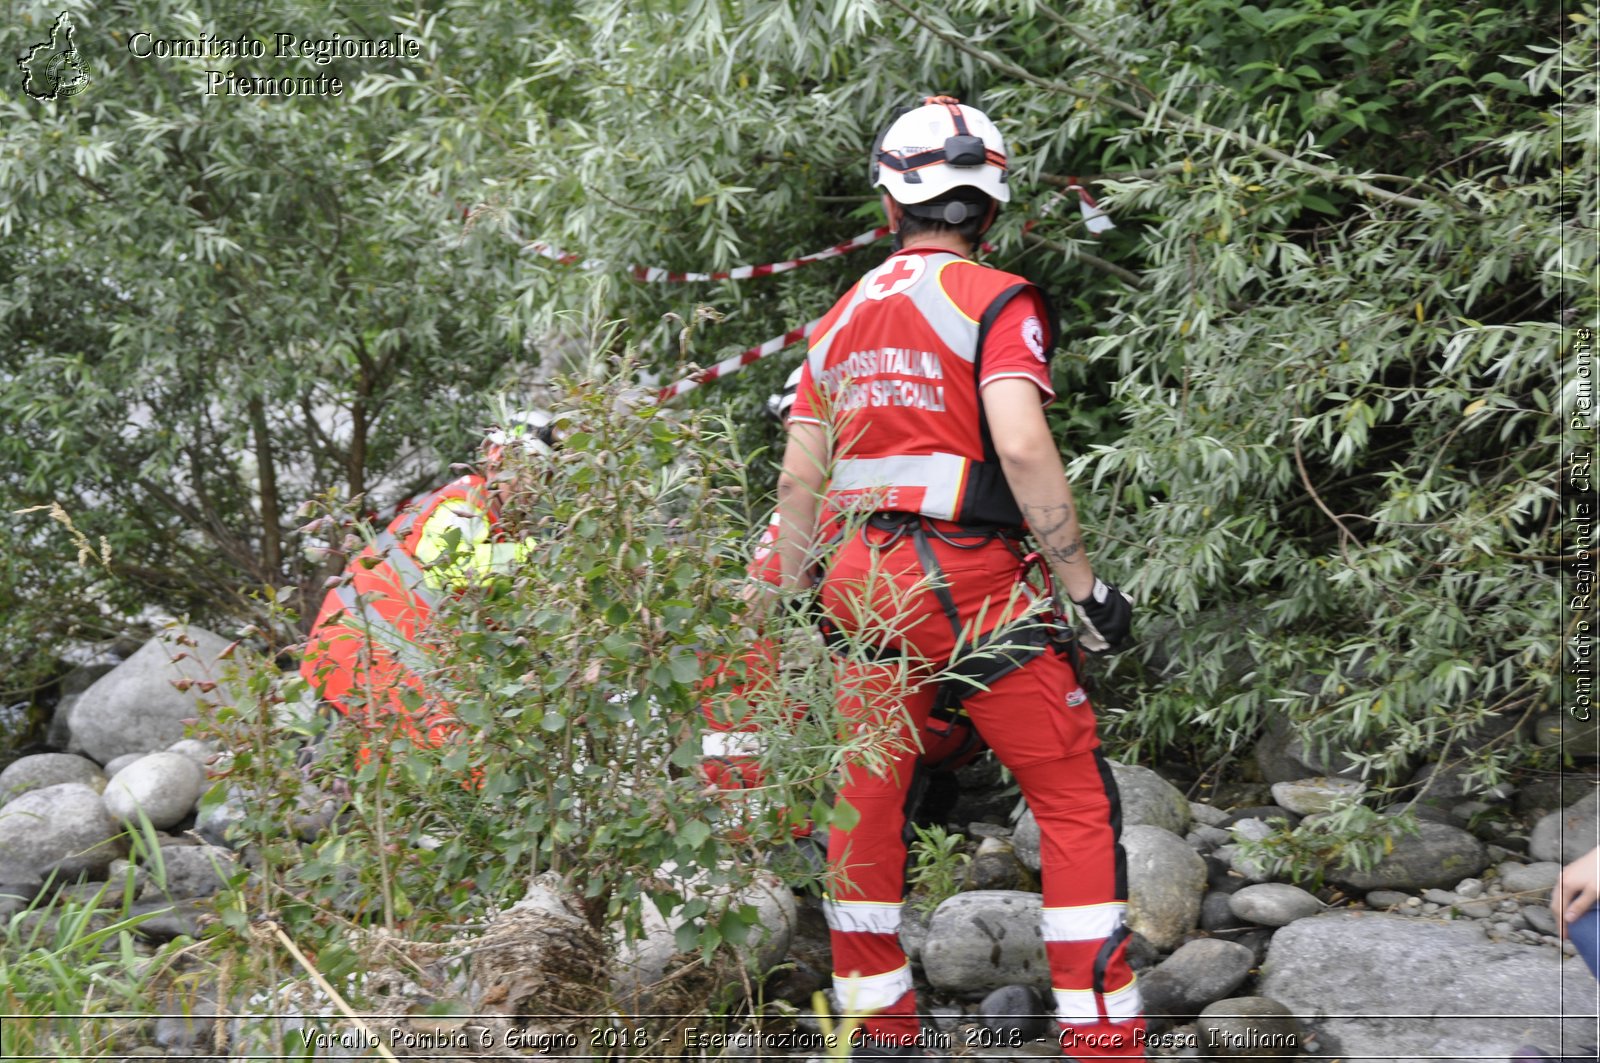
(1312, 377)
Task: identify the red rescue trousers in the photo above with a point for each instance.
(1038, 721)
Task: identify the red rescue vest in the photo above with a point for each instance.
(896, 363)
(363, 651)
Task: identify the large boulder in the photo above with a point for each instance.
(65, 828)
(1372, 980)
(985, 939)
(1201, 971)
(136, 708)
(164, 786)
(1566, 835)
(48, 769)
(1166, 879)
(1437, 857)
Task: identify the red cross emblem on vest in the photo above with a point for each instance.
(895, 276)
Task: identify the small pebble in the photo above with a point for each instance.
(1540, 918)
(1429, 908)
(1383, 899)
(1469, 889)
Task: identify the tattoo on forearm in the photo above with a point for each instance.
(1068, 553)
(1050, 524)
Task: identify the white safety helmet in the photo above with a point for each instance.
(780, 403)
(533, 430)
(930, 151)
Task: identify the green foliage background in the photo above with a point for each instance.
(1310, 384)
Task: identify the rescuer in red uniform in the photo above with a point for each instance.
(363, 656)
(918, 440)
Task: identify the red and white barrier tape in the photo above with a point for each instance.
(737, 273)
(1096, 220)
(735, 363)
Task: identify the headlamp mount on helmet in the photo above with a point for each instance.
(942, 152)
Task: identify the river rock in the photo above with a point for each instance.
(48, 769)
(978, 942)
(162, 921)
(643, 963)
(1148, 799)
(64, 827)
(1268, 814)
(1438, 855)
(1531, 882)
(135, 708)
(1200, 972)
(1207, 815)
(1371, 980)
(1538, 797)
(1540, 918)
(196, 750)
(217, 820)
(1273, 904)
(72, 686)
(1216, 913)
(1578, 739)
(1165, 881)
(1566, 835)
(165, 786)
(1017, 1009)
(1317, 794)
(116, 764)
(191, 871)
(1382, 899)
(1248, 1027)
(913, 932)
(1273, 756)
(995, 867)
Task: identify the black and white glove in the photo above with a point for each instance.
(1107, 618)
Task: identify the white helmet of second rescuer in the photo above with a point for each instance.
(531, 430)
(932, 150)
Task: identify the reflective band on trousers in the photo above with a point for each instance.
(872, 992)
(1074, 1006)
(730, 744)
(941, 476)
(1090, 922)
(862, 917)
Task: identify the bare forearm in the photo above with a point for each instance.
(1042, 492)
(805, 463)
(797, 508)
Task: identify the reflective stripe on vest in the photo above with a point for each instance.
(941, 484)
(361, 617)
(394, 554)
(941, 476)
